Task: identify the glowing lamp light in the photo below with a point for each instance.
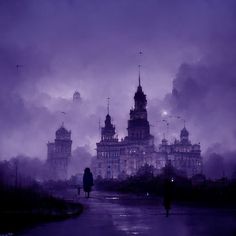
(164, 113)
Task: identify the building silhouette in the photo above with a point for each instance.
(76, 97)
(122, 158)
(59, 153)
(182, 155)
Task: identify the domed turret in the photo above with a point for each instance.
(184, 134)
(164, 141)
(76, 96)
(108, 131)
(59, 153)
(63, 133)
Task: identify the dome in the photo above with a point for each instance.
(76, 96)
(62, 132)
(164, 141)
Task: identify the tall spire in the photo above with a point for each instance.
(139, 69)
(139, 77)
(63, 118)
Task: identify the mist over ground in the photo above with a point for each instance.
(49, 49)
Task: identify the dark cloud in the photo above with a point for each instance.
(204, 94)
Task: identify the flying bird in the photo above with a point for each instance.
(18, 66)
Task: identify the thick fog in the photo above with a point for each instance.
(49, 49)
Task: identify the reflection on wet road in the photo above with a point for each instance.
(116, 214)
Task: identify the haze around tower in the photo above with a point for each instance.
(188, 70)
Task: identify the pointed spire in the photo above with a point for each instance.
(63, 118)
(139, 75)
(139, 69)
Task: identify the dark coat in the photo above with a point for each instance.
(168, 194)
(87, 181)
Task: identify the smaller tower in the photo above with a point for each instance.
(108, 131)
(107, 161)
(164, 142)
(59, 154)
(76, 97)
(138, 125)
(184, 136)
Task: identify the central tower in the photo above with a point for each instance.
(138, 125)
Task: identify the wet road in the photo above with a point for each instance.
(117, 215)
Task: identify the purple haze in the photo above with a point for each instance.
(92, 47)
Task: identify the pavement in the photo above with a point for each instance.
(122, 214)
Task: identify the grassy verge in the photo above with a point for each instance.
(23, 208)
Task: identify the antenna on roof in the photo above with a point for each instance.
(63, 118)
(139, 77)
(108, 105)
(139, 68)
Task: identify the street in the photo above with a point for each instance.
(117, 215)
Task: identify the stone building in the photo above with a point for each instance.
(108, 151)
(138, 147)
(59, 153)
(122, 158)
(183, 155)
(76, 97)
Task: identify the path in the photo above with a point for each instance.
(116, 215)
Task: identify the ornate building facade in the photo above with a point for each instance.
(119, 159)
(59, 153)
(182, 155)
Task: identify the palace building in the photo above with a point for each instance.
(59, 153)
(121, 158)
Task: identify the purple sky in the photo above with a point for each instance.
(92, 47)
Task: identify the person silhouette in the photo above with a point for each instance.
(87, 181)
(168, 192)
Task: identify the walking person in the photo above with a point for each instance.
(87, 181)
(168, 195)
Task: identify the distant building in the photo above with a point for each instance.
(183, 155)
(59, 153)
(76, 97)
(119, 159)
(108, 152)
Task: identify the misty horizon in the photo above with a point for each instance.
(51, 49)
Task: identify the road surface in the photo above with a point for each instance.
(111, 214)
